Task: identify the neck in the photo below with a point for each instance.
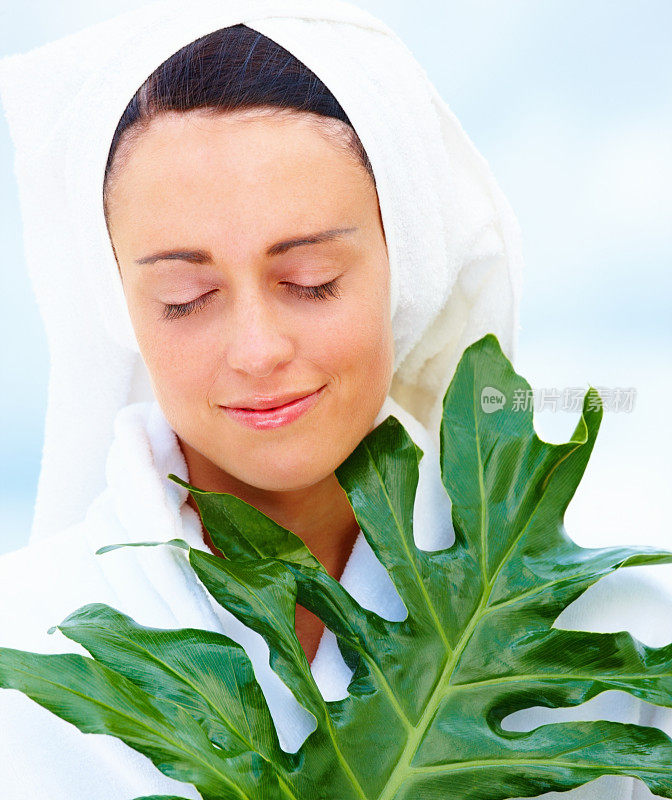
(320, 515)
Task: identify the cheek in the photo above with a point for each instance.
(181, 365)
(359, 349)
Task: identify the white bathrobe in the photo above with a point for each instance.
(42, 757)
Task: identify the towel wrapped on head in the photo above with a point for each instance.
(453, 241)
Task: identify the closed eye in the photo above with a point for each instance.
(176, 310)
(321, 292)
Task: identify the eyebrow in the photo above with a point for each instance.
(277, 249)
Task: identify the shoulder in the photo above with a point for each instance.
(68, 540)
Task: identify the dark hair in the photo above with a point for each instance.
(233, 68)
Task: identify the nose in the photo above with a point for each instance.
(257, 342)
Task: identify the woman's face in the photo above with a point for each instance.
(201, 217)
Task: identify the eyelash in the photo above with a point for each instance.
(321, 292)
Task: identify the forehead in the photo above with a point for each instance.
(243, 168)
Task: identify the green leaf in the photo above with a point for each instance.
(425, 705)
(205, 673)
(99, 700)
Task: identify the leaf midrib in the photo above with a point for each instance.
(542, 676)
(476, 763)
(481, 487)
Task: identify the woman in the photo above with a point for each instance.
(287, 296)
(238, 245)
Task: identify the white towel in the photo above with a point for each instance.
(453, 241)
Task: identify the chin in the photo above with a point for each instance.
(268, 483)
(271, 477)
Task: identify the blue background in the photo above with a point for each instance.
(570, 103)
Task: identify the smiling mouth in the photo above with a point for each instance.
(276, 416)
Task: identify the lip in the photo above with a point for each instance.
(262, 403)
(262, 419)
